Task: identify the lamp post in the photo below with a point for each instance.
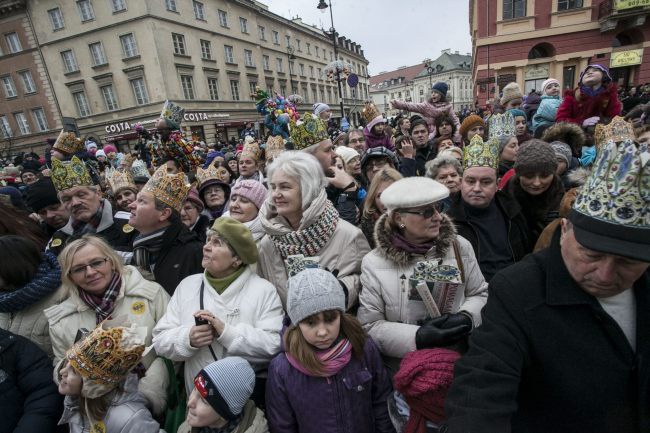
(290, 57)
(322, 6)
(429, 66)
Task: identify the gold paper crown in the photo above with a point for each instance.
(370, 112)
(274, 146)
(107, 354)
(501, 125)
(68, 142)
(120, 178)
(127, 161)
(168, 188)
(311, 130)
(69, 174)
(617, 130)
(173, 114)
(481, 154)
(212, 172)
(251, 150)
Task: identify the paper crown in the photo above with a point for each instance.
(69, 174)
(617, 130)
(139, 169)
(211, 173)
(251, 150)
(311, 130)
(67, 142)
(502, 125)
(120, 178)
(172, 114)
(370, 112)
(168, 188)
(274, 147)
(105, 356)
(481, 153)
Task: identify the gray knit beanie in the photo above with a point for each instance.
(226, 385)
(535, 156)
(312, 291)
(562, 150)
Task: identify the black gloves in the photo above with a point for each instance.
(443, 331)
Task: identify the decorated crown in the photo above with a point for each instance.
(212, 172)
(370, 112)
(139, 169)
(311, 130)
(69, 174)
(251, 150)
(107, 355)
(172, 114)
(68, 142)
(274, 147)
(481, 153)
(168, 188)
(617, 130)
(501, 125)
(120, 178)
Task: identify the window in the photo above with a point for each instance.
(206, 50)
(292, 68)
(228, 52)
(56, 18)
(187, 83)
(179, 44)
(128, 45)
(565, 5)
(5, 128)
(298, 45)
(118, 5)
(275, 36)
(279, 64)
(283, 90)
(21, 120)
(266, 62)
(69, 61)
(13, 42)
(514, 9)
(248, 58)
(223, 18)
(317, 51)
(213, 88)
(243, 25)
(10, 88)
(171, 5)
(83, 109)
(319, 74)
(251, 86)
(40, 119)
(262, 31)
(85, 10)
(28, 81)
(302, 70)
(331, 56)
(322, 94)
(97, 54)
(288, 39)
(109, 97)
(234, 90)
(139, 91)
(311, 71)
(199, 10)
(308, 48)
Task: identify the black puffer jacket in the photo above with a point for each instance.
(29, 399)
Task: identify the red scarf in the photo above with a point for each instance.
(333, 359)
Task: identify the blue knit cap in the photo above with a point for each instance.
(517, 112)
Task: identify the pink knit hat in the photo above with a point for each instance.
(252, 190)
(193, 197)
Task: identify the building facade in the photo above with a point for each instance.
(528, 41)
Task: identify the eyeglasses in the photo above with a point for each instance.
(377, 163)
(357, 140)
(426, 213)
(95, 264)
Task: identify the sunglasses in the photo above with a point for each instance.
(426, 213)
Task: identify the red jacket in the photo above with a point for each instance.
(576, 106)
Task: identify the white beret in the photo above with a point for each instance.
(412, 192)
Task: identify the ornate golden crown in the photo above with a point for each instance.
(212, 172)
(120, 178)
(370, 112)
(617, 130)
(311, 130)
(251, 150)
(168, 188)
(500, 125)
(274, 146)
(68, 142)
(69, 174)
(481, 154)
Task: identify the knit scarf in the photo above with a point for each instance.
(45, 282)
(401, 243)
(105, 304)
(310, 240)
(146, 248)
(221, 284)
(81, 228)
(333, 359)
(228, 428)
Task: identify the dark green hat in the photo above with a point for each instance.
(239, 237)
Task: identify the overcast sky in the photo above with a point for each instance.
(392, 33)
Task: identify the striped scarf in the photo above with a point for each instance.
(105, 304)
(333, 359)
(310, 240)
(146, 249)
(44, 283)
(81, 228)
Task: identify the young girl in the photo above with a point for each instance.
(101, 393)
(434, 108)
(545, 115)
(330, 377)
(521, 124)
(374, 131)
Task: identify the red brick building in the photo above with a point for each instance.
(528, 41)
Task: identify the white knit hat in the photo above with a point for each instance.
(319, 107)
(548, 82)
(346, 153)
(312, 291)
(412, 192)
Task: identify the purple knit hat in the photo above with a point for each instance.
(606, 77)
(252, 190)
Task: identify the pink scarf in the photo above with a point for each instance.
(333, 359)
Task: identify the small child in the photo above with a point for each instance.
(101, 393)
(434, 108)
(374, 131)
(545, 115)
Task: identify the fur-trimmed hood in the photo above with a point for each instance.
(568, 133)
(384, 245)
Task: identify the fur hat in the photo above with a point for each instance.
(469, 122)
(312, 291)
(568, 133)
(534, 156)
(251, 189)
(413, 192)
(239, 237)
(511, 92)
(440, 87)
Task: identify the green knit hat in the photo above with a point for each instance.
(238, 237)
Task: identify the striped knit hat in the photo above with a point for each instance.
(226, 385)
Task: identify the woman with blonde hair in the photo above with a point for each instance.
(373, 208)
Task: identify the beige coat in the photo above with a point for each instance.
(343, 252)
(142, 302)
(253, 421)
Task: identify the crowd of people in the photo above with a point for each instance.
(439, 273)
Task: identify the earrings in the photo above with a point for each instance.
(402, 226)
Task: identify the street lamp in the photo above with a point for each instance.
(290, 57)
(322, 6)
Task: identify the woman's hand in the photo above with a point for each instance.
(217, 324)
(201, 335)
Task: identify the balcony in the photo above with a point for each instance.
(611, 12)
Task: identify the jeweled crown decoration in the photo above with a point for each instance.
(274, 146)
(618, 187)
(170, 189)
(139, 169)
(370, 112)
(617, 130)
(502, 125)
(68, 142)
(311, 130)
(120, 178)
(69, 174)
(481, 153)
(173, 114)
(212, 172)
(251, 150)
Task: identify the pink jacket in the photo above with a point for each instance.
(430, 112)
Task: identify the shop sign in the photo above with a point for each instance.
(626, 58)
(536, 72)
(629, 4)
(503, 80)
(117, 127)
(195, 117)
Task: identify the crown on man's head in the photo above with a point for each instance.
(170, 189)
(308, 131)
(120, 178)
(70, 174)
(172, 114)
(212, 172)
(500, 125)
(68, 142)
(481, 153)
(617, 130)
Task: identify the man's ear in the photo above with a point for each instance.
(165, 214)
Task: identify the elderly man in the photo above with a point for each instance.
(565, 337)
